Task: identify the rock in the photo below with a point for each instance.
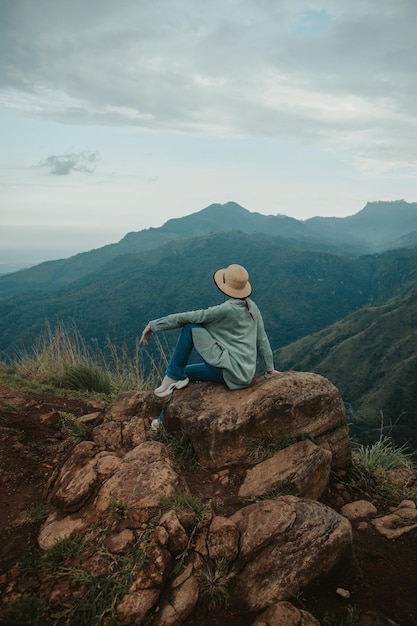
(77, 478)
(155, 570)
(285, 544)
(181, 600)
(178, 539)
(275, 548)
(56, 527)
(407, 504)
(91, 480)
(374, 618)
(403, 477)
(285, 614)
(146, 475)
(108, 436)
(220, 421)
(118, 543)
(134, 607)
(358, 510)
(91, 418)
(133, 433)
(402, 520)
(223, 539)
(128, 404)
(51, 418)
(302, 464)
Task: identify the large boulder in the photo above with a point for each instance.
(286, 544)
(303, 465)
(220, 421)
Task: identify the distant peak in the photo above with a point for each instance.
(230, 206)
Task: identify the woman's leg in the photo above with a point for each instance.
(179, 370)
(178, 362)
(204, 372)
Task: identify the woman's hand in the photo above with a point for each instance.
(146, 335)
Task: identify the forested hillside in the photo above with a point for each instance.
(298, 291)
(371, 356)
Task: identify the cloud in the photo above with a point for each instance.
(64, 164)
(317, 71)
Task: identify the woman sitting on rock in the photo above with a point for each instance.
(228, 337)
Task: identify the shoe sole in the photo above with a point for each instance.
(179, 384)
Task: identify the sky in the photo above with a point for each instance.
(117, 116)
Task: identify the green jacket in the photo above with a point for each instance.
(229, 337)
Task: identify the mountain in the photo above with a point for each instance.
(379, 226)
(371, 356)
(298, 291)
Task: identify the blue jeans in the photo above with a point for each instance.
(178, 368)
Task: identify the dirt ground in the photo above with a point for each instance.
(382, 577)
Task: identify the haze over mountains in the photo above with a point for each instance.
(307, 276)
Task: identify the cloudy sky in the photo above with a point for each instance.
(116, 116)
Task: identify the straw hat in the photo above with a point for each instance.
(233, 281)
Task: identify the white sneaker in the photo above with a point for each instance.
(155, 424)
(168, 385)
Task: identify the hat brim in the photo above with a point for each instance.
(229, 291)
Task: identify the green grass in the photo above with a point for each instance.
(265, 445)
(100, 592)
(63, 549)
(61, 359)
(179, 444)
(29, 609)
(351, 618)
(215, 578)
(119, 507)
(34, 514)
(74, 429)
(371, 464)
(183, 500)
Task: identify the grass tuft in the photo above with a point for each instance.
(73, 428)
(34, 514)
(214, 582)
(371, 464)
(179, 444)
(351, 618)
(63, 549)
(183, 500)
(266, 445)
(29, 609)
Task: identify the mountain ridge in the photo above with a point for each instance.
(352, 235)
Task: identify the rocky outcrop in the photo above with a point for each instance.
(220, 422)
(268, 550)
(91, 484)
